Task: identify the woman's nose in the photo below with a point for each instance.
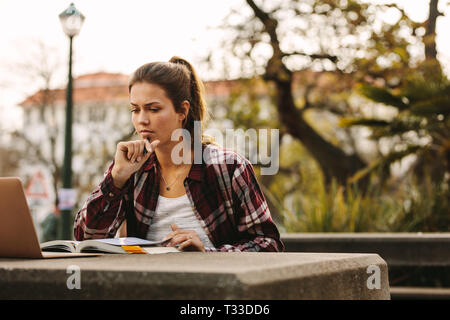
(143, 118)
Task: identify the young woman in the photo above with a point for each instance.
(214, 204)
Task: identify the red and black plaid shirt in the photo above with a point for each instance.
(224, 193)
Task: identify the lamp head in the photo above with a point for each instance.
(71, 20)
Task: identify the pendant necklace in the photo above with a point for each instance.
(169, 185)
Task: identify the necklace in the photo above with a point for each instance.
(169, 185)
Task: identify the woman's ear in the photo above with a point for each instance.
(185, 106)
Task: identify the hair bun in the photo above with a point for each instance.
(179, 60)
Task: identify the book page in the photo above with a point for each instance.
(158, 250)
(59, 245)
(129, 241)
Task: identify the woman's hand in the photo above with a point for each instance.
(186, 239)
(129, 157)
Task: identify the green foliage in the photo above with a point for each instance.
(382, 165)
(381, 95)
(422, 125)
(306, 204)
(426, 208)
(348, 122)
(335, 209)
(439, 105)
(416, 208)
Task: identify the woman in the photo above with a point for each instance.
(214, 204)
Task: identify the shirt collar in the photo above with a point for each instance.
(151, 162)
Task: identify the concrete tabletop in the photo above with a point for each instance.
(195, 275)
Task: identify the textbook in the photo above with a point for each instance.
(110, 245)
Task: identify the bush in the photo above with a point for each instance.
(412, 208)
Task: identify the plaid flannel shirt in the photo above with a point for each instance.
(223, 191)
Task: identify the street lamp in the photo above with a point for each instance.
(71, 21)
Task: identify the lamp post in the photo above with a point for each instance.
(71, 21)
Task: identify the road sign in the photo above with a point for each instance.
(36, 187)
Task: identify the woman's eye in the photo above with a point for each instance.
(133, 110)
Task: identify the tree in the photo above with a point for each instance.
(41, 68)
(422, 99)
(278, 39)
(430, 34)
(421, 127)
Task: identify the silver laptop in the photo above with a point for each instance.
(18, 238)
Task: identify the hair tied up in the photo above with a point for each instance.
(178, 60)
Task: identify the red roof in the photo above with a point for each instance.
(112, 87)
(109, 87)
(100, 86)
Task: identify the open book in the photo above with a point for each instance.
(111, 245)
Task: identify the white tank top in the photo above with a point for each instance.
(178, 211)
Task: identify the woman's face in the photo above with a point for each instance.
(153, 113)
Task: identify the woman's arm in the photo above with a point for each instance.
(255, 226)
(104, 210)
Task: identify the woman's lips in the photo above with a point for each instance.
(147, 134)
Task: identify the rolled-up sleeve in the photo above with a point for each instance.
(255, 227)
(103, 212)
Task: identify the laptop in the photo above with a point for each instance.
(18, 237)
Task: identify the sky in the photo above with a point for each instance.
(119, 36)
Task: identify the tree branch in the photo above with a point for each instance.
(332, 58)
(32, 146)
(270, 26)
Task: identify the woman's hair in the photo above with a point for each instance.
(180, 82)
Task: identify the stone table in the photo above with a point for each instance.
(195, 275)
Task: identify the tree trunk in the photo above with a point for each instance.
(332, 160)
(430, 34)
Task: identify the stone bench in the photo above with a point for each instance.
(194, 275)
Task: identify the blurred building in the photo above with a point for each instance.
(100, 118)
